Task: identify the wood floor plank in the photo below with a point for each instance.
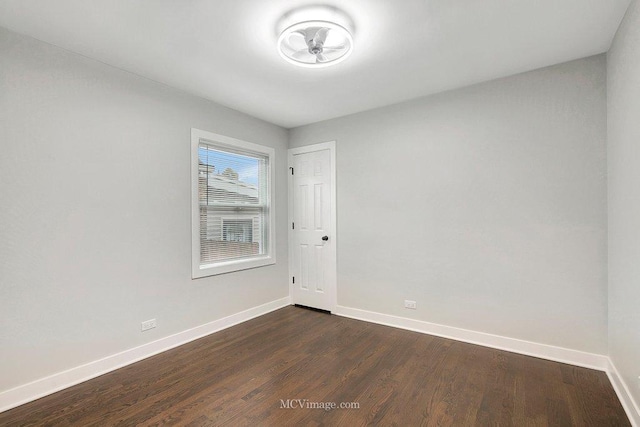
(244, 375)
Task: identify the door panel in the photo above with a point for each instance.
(313, 263)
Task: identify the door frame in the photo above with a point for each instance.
(333, 274)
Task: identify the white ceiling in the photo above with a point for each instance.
(225, 50)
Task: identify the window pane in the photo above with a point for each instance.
(232, 192)
(237, 230)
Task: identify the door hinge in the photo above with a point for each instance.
(293, 225)
(294, 279)
(291, 170)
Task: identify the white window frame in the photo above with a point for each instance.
(197, 270)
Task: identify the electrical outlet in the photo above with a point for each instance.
(148, 324)
(410, 304)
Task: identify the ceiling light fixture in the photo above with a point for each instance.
(315, 44)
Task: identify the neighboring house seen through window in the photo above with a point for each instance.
(233, 205)
(239, 230)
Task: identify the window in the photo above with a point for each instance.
(231, 204)
(239, 230)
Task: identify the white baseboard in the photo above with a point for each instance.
(629, 405)
(61, 380)
(543, 351)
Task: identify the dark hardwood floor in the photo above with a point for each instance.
(244, 375)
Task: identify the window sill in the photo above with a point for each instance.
(199, 271)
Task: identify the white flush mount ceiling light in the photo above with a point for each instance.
(315, 44)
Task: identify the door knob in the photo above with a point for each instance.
(325, 238)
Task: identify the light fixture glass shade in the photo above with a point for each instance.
(315, 44)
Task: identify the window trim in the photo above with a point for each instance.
(198, 271)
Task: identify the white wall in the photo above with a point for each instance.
(623, 75)
(486, 205)
(95, 211)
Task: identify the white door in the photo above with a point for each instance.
(312, 228)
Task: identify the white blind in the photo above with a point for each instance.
(233, 197)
